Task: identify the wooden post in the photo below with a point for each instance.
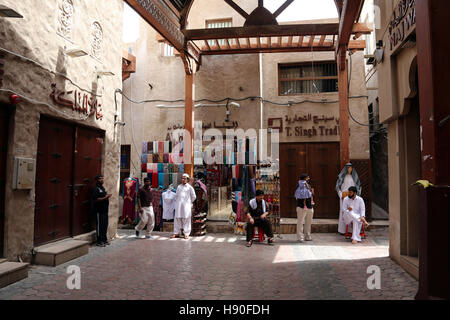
(189, 124)
(343, 107)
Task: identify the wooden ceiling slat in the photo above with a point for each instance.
(279, 42)
(207, 45)
(248, 42)
(300, 41)
(311, 41)
(237, 43)
(290, 41)
(269, 42)
(322, 40)
(227, 42)
(217, 44)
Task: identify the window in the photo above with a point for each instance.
(223, 23)
(317, 77)
(167, 50)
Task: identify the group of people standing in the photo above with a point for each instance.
(348, 187)
(352, 209)
(185, 197)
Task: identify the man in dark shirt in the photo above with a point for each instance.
(257, 217)
(145, 210)
(100, 201)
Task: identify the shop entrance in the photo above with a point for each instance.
(68, 159)
(321, 162)
(4, 124)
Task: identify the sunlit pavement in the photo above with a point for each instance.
(221, 267)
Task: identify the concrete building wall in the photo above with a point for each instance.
(35, 36)
(397, 93)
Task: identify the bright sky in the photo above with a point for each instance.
(304, 9)
(298, 10)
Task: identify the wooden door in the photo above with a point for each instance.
(4, 124)
(88, 164)
(323, 168)
(321, 162)
(53, 181)
(292, 164)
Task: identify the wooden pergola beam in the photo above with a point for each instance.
(238, 9)
(350, 13)
(272, 31)
(282, 8)
(162, 19)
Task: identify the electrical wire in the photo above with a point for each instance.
(48, 69)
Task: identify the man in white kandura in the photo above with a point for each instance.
(354, 211)
(183, 208)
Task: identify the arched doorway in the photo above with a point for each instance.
(412, 171)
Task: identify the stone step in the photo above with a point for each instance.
(11, 272)
(60, 252)
(2, 260)
(288, 226)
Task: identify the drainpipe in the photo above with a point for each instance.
(261, 105)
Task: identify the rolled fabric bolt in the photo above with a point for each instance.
(144, 167)
(150, 147)
(144, 148)
(161, 180)
(150, 158)
(149, 167)
(144, 158)
(155, 180)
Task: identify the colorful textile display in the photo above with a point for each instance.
(166, 180)
(150, 157)
(149, 147)
(155, 158)
(155, 147)
(160, 157)
(160, 167)
(144, 167)
(149, 168)
(144, 158)
(166, 147)
(161, 147)
(166, 167)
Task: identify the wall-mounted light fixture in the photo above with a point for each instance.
(8, 12)
(75, 53)
(105, 73)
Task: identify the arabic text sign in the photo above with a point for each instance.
(79, 101)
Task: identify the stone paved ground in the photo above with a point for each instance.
(221, 267)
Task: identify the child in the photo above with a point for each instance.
(305, 211)
(304, 192)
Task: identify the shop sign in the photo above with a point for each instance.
(321, 126)
(401, 25)
(78, 100)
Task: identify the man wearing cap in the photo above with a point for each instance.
(354, 211)
(257, 217)
(183, 208)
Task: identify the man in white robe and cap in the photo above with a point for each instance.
(354, 212)
(346, 179)
(183, 208)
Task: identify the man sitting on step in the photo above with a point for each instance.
(354, 211)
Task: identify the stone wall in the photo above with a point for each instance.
(42, 36)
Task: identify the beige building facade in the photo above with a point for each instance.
(399, 108)
(236, 77)
(65, 123)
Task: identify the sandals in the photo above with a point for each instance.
(270, 241)
(249, 244)
(174, 236)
